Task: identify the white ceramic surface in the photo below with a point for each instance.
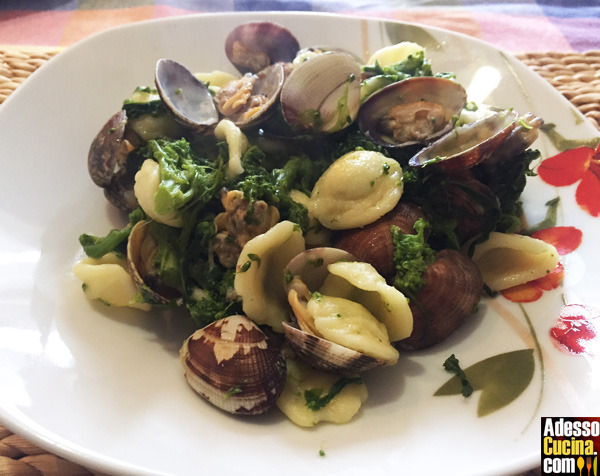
(104, 386)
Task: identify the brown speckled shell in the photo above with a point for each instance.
(373, 243)
(453, 287)
(326, 355)
(234, 365)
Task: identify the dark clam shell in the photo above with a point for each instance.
(235, 366)
(373, 243)
(188, 99)
(107, 161)
(453, 287)
(108, 150)
(253, 46)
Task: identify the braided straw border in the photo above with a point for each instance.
(575, 75)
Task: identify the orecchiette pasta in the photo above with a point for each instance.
(237, 144)
(351, 325)
(108, 280)
(357, 189)
(506, 260)
(395, 53)
(259, 276)
(147, 181)
(300, 378)
(360, 282)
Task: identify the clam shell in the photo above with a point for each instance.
(322, 94)
(253, 46)
(418, 98)
(453, 287)
(188, 99)
(468, 145)
(234, 365)
(267, 86)
(373, 243)
(310, 266)
(107, 150)
(326, 355)
(141, 250)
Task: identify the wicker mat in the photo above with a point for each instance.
(575, 75)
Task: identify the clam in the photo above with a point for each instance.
(253, 46)
(234, 365)
(187, 98)
(453, 287)
(107, 156)
(322, 95)
(141, 253)
(520, 138)
(373, 242)
(412, 111)
(336, 333)
(468, 145)
(470, 203)
(250, 99)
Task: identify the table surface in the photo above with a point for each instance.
(517, 26)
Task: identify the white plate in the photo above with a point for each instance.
(104, 386)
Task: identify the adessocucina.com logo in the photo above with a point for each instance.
(570, 446)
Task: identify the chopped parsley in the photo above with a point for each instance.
(451, 365)
(315, 400)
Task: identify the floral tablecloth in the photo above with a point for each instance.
(546, 25)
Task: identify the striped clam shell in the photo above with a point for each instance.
(234, 365)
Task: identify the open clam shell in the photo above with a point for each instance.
(234, 365)
(322, 95)
(187, 98)
(141, 252)
(253, 46)
(107, 157)
(251, 99)
(412, 111)
(468, 145)
(332, 333)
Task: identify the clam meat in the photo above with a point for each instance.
(412, 111)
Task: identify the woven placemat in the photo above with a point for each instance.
(575, 75)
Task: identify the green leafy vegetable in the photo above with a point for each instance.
(315, 400)
(184, 178)
(411, 256)
(115, 241)
(451, 365)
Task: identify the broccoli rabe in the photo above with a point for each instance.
(114, 242)
(412, 255)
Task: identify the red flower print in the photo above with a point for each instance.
(579, 164)
(565, 239)
(576, 328)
